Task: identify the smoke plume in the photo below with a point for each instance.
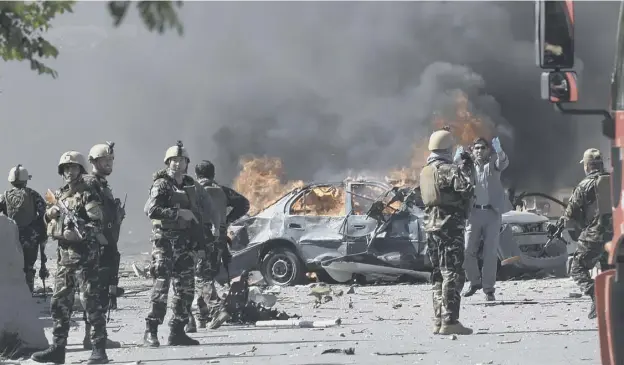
(325, 86)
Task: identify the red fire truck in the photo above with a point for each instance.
(555, 52)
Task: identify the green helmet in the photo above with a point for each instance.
(19, 174)
(72, 157)
(177, 150)
(441, 140)
(101, 150)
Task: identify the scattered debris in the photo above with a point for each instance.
(397, 306)
(300, 323)
(400, 353)
(353, 332)
(348, 351)
(575, 295)
(351, 289)
(229, 354)
(452, 337)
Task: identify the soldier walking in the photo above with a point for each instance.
(590, 207)
(207, 267)
(75, 221)
(174, 208)
(446, 192)
(27, 208)
(102, 157)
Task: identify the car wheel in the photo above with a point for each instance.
(281, 266)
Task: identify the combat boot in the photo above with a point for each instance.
(54, 354)
(592, 312)
(98, 355)
(191, 327)
(177, 336)
(86, 341)
(150, 339)
(436, 327)
(454, 329)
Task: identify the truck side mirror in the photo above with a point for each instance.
(554, 27)
(559, 86)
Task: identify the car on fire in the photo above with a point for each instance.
(329, 229)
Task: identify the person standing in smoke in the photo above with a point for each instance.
(590, 207)
(27, 209)
(174, 207)
(446, 191)
(208, 265)
(102, 157)
(485, 218)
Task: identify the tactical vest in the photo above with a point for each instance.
(184, 198)
(218, 198)
(72, 198)
(111, 224)
(20, 206)
(603, 203)
(433, 193)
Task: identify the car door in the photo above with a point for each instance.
(358, 226)
(313, 220)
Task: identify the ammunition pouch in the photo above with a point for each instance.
(55, 228)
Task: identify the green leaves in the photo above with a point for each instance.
(24, 24)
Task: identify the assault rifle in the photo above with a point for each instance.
(43, 271)
(555, 231)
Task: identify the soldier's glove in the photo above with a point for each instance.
(43, 272)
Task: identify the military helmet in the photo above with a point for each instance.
(177, 150)
(441, 140)
(19, 174)
(102, 150)
(72, 157)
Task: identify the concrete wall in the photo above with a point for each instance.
(18, 309)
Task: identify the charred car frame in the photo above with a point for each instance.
(330, 229)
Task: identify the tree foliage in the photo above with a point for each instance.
(23, 26)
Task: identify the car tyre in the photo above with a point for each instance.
(282, 267)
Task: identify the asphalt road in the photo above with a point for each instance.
(386, 325)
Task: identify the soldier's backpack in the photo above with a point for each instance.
(429, 186)
(20, 206)
(603, 195)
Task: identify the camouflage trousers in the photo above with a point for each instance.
(67, 279)
(172, 263)
(206, 269)
(587, 255)
(31, 251)
(446, 252)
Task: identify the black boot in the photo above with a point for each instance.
(54, 354)
(191, 327)
(472, 290)
(150, 339)
(177, 336)
(98, 355)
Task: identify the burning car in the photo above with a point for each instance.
(366, 228)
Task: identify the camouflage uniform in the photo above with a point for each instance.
(29, 220)
(208, 264)
(597, 227)
(110, 257)
(174, 242)
(444, 222)
(77, 261)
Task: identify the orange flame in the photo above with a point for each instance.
(262, 179)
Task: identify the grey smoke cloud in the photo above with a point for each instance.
(327, 87)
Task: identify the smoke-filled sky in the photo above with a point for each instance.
(325, 86)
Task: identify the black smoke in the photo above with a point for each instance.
(326, 86)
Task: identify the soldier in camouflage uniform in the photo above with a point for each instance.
(27, 208)
(447, 193)
(217, 251)
(101, 157)
(590, 207)
(75, 220)
(174, 207)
